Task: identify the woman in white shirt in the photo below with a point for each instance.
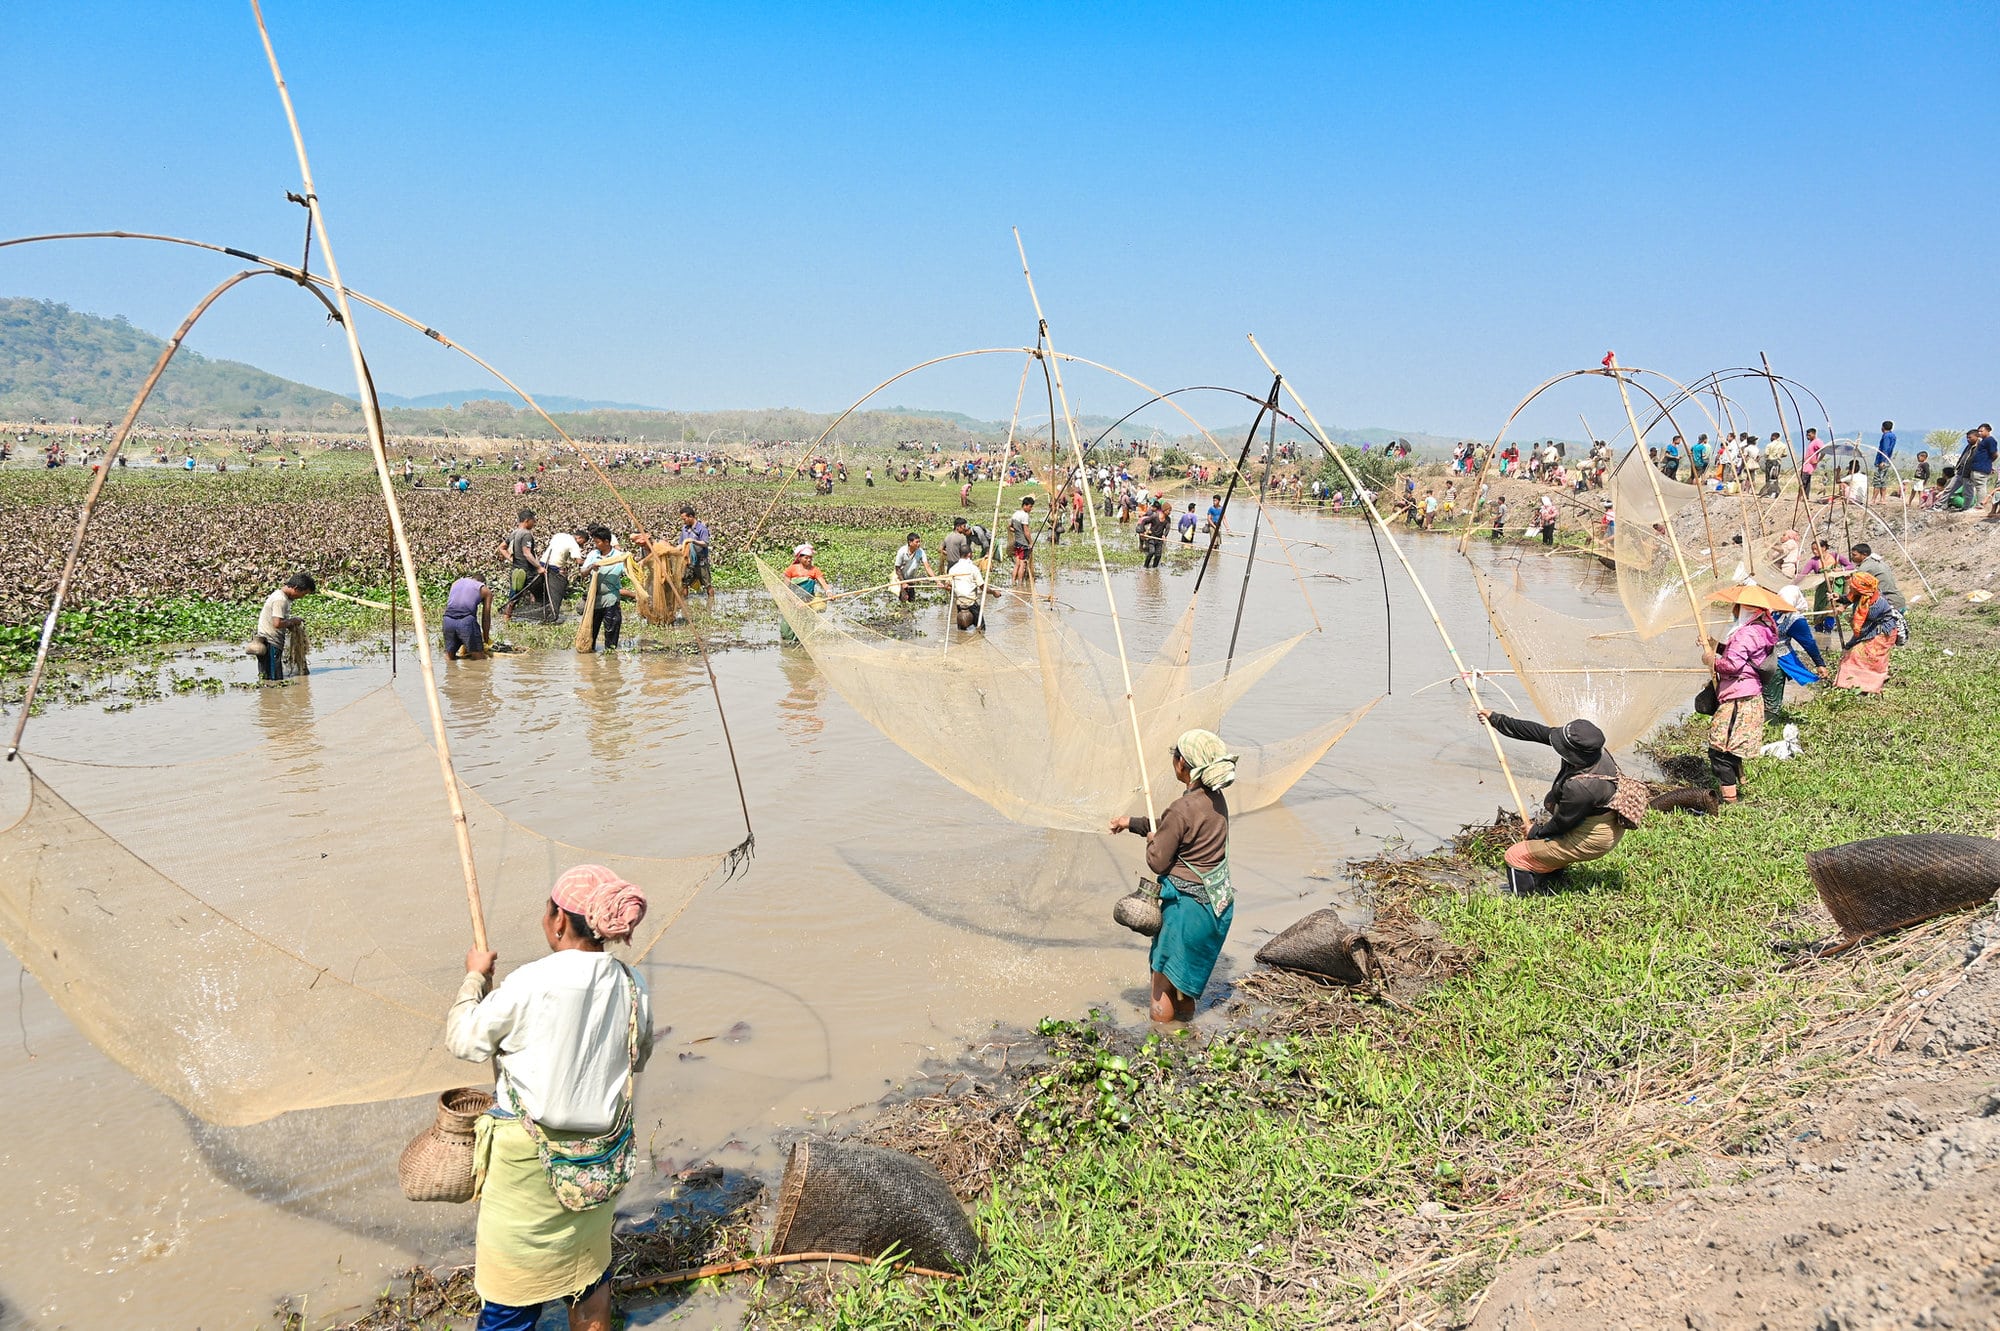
(568, 1034)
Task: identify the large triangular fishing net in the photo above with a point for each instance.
(1031, 717)
(246, 977)
(1598, 669)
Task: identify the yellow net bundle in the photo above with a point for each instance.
(1031, 718)
(245, 976)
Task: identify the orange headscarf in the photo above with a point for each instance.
(1866, 590)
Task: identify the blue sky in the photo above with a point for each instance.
(1422, 211)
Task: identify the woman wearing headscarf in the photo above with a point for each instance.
(1794, 635)
(1737, 731)
(1188, 852)
(1865, 667)
(567, 1035)
(1578, 822)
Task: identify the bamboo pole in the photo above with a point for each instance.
(1785, 431)
(1653, 479)
(90, 497)
(1437, 622)
(372, 418)
(1096, 537)
(1250, 558)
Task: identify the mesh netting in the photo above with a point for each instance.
(1597, 669)
(1649, 577)
(1031, 717)
(245, 976)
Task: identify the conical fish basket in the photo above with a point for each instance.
(1884, 883)
(437, 1164)
(1320, 944)
(868, 1200)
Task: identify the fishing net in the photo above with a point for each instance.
(868, 1200)
(1597, 669)
(660, 580)
(247, 976)
(1031, 717)
(1650, 580)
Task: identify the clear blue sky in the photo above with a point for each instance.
(1420, 210)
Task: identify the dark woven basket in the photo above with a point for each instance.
(1683, 799)
(1884, 883)
(1321, 945)
(1139, 912)
(437, 1164)
(868, 1200)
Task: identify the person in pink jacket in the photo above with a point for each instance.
(1738, 729)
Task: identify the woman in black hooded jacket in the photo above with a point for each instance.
(1578, 822)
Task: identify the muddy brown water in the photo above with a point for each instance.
(889, 918)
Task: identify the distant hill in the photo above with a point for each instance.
(554, 402)
(58, 363)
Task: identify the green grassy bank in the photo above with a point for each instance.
(1334, 1161)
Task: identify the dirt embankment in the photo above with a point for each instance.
(1876, 1206)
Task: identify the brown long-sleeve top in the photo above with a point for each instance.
(1193, 835)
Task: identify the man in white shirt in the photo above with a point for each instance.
(968, 594)
(276, 619)
(912, 565)
(563, 554)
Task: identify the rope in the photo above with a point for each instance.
(1256, 523)
(372, 417)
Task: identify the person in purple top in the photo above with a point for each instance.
(468, 619)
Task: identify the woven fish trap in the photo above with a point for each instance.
(1321, 945)
(1683, 799)
(1884, 883)
(437, 1164)
(868, 1200)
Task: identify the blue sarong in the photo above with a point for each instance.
(1798, 671)
(1190, 937)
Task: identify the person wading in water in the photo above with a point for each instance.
(1189, 854)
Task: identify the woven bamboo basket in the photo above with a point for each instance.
(1884, 883)
(1139, 912)
(437, 1164)
(868, 1200)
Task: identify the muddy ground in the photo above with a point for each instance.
(1875, 1206)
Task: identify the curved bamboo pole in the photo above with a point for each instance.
(1096, 539)
(372, 417)
(314, 282)
(1437, 622)
(90, 496)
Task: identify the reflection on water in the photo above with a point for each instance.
(887, 918)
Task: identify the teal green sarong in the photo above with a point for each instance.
(1190, 937)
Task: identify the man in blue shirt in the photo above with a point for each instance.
(1985, 452)
(694, 539)
(1885, 448)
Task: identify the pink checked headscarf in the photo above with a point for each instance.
(611, 906)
